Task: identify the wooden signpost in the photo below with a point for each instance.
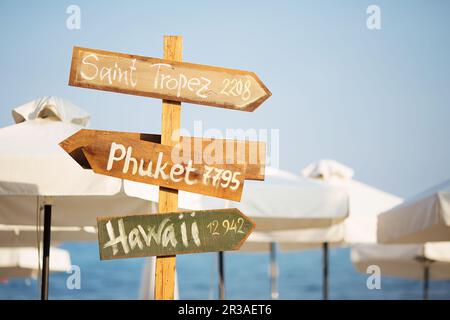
(167, 79)
(172, 162)
(209, 151)
(172, 233)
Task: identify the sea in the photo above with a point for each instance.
(246, 277)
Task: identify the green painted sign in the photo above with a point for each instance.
(172, 233)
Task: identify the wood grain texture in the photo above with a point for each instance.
(167, 79)
(210, 151)
(152, 163)
(172, 233)
(168, 199)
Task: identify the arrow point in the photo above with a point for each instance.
(255, 104)
(245, 218)
(73, 146)
(74, 141)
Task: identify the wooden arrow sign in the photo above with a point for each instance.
(153, 163)
(201, 150)
(172, 233)
(166, 79)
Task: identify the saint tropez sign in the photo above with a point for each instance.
(165, 79)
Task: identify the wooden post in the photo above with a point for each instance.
(168, 198)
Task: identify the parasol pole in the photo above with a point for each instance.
(46, 247)
(273, 272)
(426, 275)
(325, 271)
(221, 276)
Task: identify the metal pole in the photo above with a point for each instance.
(221, 277)
(426, 280)
(46, 251)
(325, 271)
(426, 263)
(221, 267)
(273, 272)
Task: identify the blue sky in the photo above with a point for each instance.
(377, 101)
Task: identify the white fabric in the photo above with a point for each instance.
(423, 218)
(328, 170)
(364, 204)
(285, 201)
(403, 260)
(24, 262)
(51, 107)
(186, 200)
(30, 235)
(294, 240)
(32, 165)
(70, 210)
(73, 218)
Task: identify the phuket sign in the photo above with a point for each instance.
(152, 163)
(167, 79)
(209, 151)
(172, 233)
